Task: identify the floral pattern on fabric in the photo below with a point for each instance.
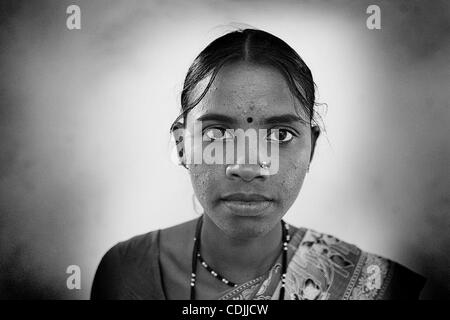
(322, 267)
(320, 261)
(371, 278)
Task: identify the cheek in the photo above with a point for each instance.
(203, 179)
(292, 174)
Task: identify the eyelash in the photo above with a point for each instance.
(293, 134)
(223, 130)
(269, 132)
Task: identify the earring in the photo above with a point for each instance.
(181, 153)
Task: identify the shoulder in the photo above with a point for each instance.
(138, 246)
(128, 268)
(342, 270)
(131, 269)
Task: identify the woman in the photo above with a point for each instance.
(240, 248)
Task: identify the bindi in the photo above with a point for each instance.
(249, 119)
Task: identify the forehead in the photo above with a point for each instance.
(242, 89)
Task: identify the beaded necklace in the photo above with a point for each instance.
(196, 256)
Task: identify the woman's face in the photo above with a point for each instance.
(239, 197)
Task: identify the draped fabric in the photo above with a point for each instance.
(320, 267)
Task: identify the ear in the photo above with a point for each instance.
(315, 133)
(178, 134)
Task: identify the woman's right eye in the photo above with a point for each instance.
(212, 134)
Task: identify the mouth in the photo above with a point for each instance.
(246, 204)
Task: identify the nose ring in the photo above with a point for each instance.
(264, 164)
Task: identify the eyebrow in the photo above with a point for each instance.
(216, 117)
(283, 118)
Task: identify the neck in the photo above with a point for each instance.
(239, 260)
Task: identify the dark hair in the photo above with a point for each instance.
(254, 46)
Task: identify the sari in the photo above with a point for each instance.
(322, 267)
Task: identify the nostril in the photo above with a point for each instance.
(244, 172)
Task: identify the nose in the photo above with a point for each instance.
(246, 172)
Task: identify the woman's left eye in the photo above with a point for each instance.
(280, 135)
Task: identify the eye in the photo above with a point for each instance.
(215, 133)
(280, 135)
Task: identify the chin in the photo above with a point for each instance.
(243, 227)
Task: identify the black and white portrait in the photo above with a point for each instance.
(224, 150)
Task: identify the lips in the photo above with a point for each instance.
(246, 204)
(246, 197)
